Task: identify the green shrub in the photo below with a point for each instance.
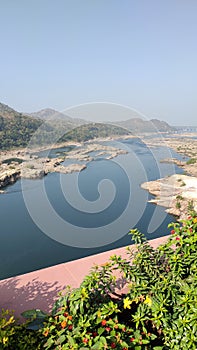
(179, 197)
(15, 336)
(178, 205)
(191, 161)
(190, 206)
(6, 327)
(159, 310)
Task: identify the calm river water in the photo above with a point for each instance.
(25, 247)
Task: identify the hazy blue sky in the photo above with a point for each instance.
(139, 53)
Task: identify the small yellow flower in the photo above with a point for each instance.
(127, 303)
(84, 293)
(148, 301)
(5, 339)
(195, 220)
(174, 258)
(99, 314)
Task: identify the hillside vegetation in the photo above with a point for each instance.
(48, 125)
(16, 129)
(141, 125)
(93, 130)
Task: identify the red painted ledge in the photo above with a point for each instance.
(39, 289)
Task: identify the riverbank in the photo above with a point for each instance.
(27, 164)
(177, 193)
(186, 146)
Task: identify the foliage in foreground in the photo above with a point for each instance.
(15, 336)
(158, 310)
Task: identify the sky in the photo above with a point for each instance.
(135, 53)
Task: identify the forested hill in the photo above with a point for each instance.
(16, 129)
(144, 126)
(94, 130)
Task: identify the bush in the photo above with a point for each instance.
(178, 205)
(159, 311)
(190, 206)
(179, 197)
(191, 161)
(6, 326)
(15, 336)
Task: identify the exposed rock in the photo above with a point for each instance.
(70, 168)
(175, 192)
(173, 161)
(82, 153)
(32, 173)
(9, 177)
(34, 167)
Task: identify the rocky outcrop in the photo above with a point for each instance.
(28, 173)
(83, 153)
(70, 168)
(33, 167)
(176, 193)
(9, 177)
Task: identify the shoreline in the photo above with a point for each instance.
(178, 192)
(176, 201)
(26, 164)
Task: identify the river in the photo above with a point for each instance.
(25, 246)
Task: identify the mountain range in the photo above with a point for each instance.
(16, 129)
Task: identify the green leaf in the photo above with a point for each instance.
(101, 330)
(61, 339)
(49, 343)
(35, 313)
(71, 340)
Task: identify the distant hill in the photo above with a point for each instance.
(49, 114)
(58, 122)
(7, 111)
(94, 130)
(16, 129)
(141, 125)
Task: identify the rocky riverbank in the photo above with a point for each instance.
(177, 192)
(8, 177)
(186, 146)
(26, 164)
